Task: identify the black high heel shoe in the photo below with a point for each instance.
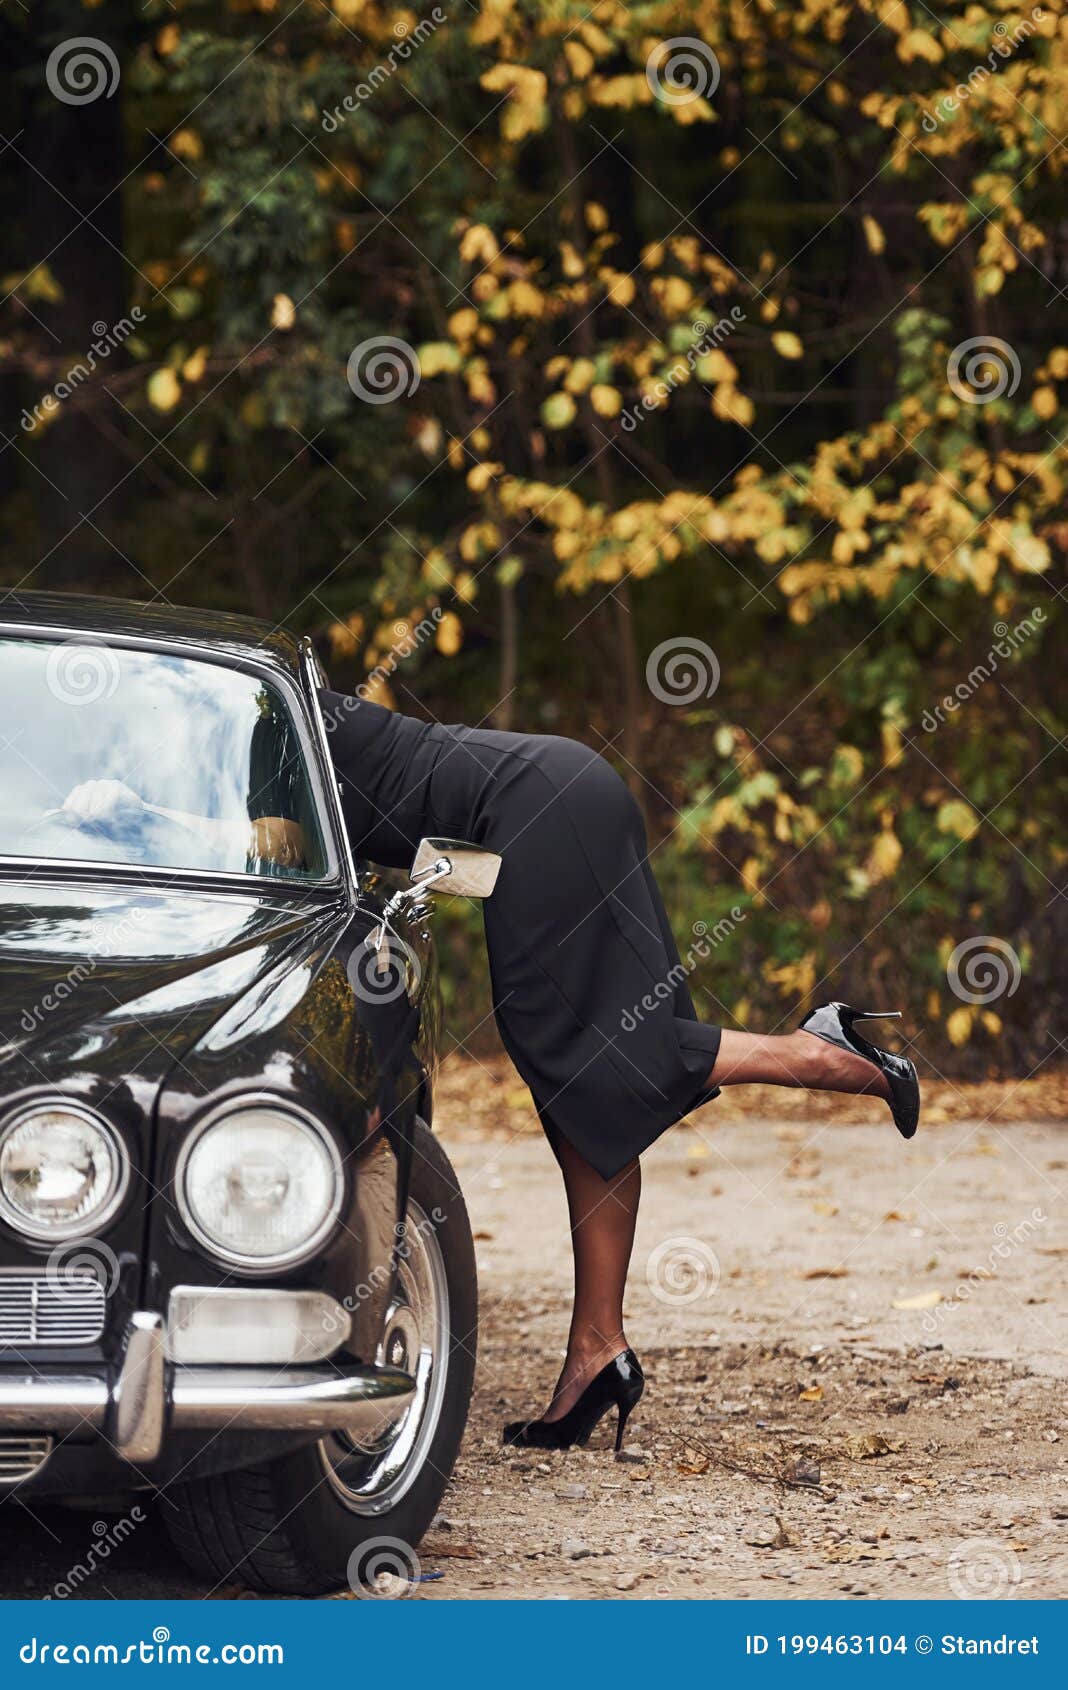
(834, 1022)
(619, 1385)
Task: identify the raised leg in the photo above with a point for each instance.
(794, 1059)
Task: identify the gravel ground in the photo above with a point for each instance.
(855, 1353)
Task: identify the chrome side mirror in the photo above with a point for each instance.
(455, 866)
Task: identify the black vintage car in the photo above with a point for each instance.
(236, 1271)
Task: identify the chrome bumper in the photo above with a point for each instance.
(142, 1405)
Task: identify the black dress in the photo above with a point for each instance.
(589, 993)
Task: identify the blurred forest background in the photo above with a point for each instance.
(720, 422)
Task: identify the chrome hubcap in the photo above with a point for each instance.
(415, 1337)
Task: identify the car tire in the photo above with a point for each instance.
(325, 1517)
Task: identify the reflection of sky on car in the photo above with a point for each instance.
(175, 730)
(68, 921)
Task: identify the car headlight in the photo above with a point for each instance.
(260, 1184)
(63, 1171)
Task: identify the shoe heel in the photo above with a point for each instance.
(621, 1425)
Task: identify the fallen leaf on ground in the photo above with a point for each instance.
(693, 1462)
(921, 1300)
(822, 1208)
(868, 1444)
(826, 1273)
(813, 1393)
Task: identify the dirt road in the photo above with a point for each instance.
(810, 1297)
(880, 1325)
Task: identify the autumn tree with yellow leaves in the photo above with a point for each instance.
(506, 345)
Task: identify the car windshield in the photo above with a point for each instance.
(113, 755)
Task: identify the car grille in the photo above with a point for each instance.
(38, 1309)
(22, 1454)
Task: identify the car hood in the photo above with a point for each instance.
(125, 977)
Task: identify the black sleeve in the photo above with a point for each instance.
(274, 770)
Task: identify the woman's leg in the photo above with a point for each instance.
(602, 1213)
(794, 1059)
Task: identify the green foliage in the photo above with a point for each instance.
(693, 362)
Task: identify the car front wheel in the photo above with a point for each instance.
(334, 1514)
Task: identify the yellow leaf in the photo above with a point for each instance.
(959, 1027)
(479, 245)
(605, 400)
(450, 634)
(885, 855)
(164, 390)
(918, 44)
(283, 312)
(558, 410)
(462, 325)
(195, 364)
(787, 345)
(873, 234)
(922, 1300)
(1044, 403)
(814, 1393)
